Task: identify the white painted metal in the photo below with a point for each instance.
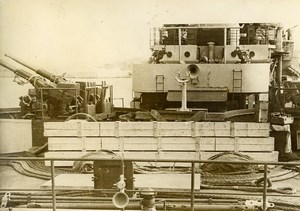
(15, 136)
(210, 76)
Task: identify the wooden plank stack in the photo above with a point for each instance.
(178, 140)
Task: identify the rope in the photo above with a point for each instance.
(33, 168)
(40, 149)
(240, 112)
(81, 114)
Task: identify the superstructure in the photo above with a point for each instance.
(229, 65)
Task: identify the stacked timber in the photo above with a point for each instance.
(153, 140)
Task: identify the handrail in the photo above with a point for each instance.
(192, 191)
(151, 160)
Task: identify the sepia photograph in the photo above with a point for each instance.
(150, 105)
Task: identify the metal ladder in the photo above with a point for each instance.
(160, 83)
(237, 80)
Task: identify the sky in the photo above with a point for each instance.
(77, 35)
(71, 36)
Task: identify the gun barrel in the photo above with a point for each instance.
(43, 73)
(7, 66)
(35, 81)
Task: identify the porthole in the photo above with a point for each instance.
(252, 54)
(187, 54)
(169, 54)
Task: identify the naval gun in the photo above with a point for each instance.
(44, 73)
(46, 99)
(55, 97)
(34, 80)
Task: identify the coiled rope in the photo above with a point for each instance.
(32, 168)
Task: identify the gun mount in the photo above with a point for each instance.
(55, 97)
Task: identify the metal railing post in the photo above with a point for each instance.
(122, 167)
(265, 187)
(192, 186)
(53, 185)
(76, 103)
(122, 101)
(165, 205)
(42, 99)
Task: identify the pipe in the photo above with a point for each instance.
(279, 71)
(184, 98)
(279, 53)
(279, 40)
(210, 52)
(183, 92)
(78, 199)
(214, 207)
(136, 206)
(102, 199)
(43, 73)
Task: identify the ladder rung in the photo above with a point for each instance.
(237, 80)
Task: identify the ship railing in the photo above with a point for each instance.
(119, 101)
(192, 192)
